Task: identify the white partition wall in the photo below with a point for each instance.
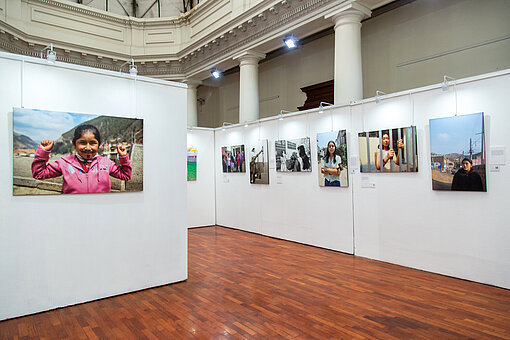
(201, 201)
(400, 219)
(65, 249)
(292, 206)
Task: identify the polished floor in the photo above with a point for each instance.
(246, 286)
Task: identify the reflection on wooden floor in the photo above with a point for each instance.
(246, 286)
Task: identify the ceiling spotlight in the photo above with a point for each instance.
(51, 55)
(216, 73)
(321, 106)
(378, 96)
(290, 41)
(445, 84)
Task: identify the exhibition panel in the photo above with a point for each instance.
(398, 157)
(201, 204)
(58, 250)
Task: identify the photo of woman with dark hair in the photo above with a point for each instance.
(332, 159)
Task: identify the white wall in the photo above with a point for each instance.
(296, 209)
(402, 220)
(66, 249)
(201, 197)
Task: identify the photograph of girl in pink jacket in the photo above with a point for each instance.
(86, 171)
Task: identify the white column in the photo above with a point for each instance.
(249, 85)
(348, 73)
(191, 94)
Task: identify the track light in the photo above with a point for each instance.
(445, 85)
(51, 55)
(378, 96)
(321, 106)
(132, 67)
(216, 73)
(290, 41)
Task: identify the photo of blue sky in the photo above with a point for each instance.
(455, 134)
(40, 124)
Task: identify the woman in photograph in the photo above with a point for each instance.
(388, 153)
(331, 166)
(467, 179)
(304, 160)
(85, 171)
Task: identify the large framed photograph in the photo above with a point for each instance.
(259, 163)
(233, 158)
(64, 152)
(457, 153)
(332, 159)
(389, 150)
(293, 155)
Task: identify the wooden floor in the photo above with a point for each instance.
(246, 286)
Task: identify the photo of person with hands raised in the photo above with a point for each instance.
(85, 171)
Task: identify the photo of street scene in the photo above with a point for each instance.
(293, 155)
(390, 150)
(457, 153)
(233, 158)
(259, 163)
(192, 164)
(53, 153)
(332, 159)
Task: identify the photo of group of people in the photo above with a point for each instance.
(293, 155)
(64, 152)
(390, 150)
(457, 153)
(232, 158)
(332, 159)
(259, 163)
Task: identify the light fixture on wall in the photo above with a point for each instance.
(378, 96)
(216, 73)
(224, 125)
(290, 41)
(445, 85)
(51, 55)
(133, 70)
(280, 116)
(321, 106)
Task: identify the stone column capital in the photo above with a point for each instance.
(249, 58)
(349, 13)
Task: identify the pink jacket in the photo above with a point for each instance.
(77, 181)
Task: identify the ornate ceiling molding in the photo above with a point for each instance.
(246, 31)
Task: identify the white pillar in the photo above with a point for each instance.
(348, 74)
(249, 85)
(191, 95)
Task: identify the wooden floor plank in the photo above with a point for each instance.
(246, 286)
